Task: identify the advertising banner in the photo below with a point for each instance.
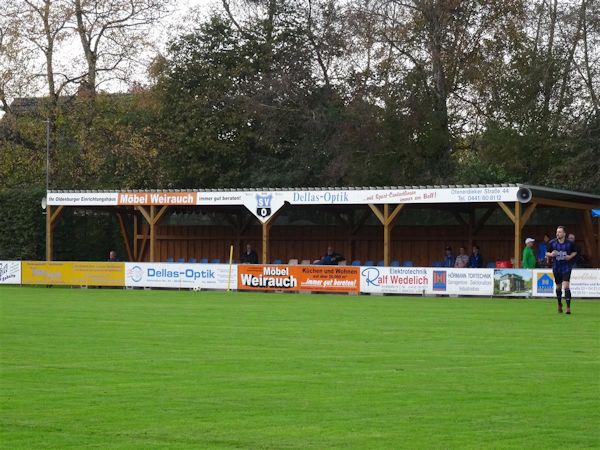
(180, 275)
(73, 273)
(298, 278)
(543, 283)
(10, 272)
(513, 282)
(82, 198)
(157, 198)
(394, 280)
(263, 204)
(584, 283)
(462, 282)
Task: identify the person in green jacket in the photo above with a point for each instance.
(528, 255)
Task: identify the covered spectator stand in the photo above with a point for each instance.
(494, 216)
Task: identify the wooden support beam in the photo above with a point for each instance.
(266, 229)
(153, 217)
(395, 213)
(518, 229)
(135, 237)
(387, 220)
(459, 218)
(152, 233)
(378, 213)
(49, 236)
(588, 237)
(145, 213)
(51, 219)
(527, 214)
(389, 224)
(143, 246)
(56, 214)
(161, 212)
(483, 220)
(507, 211)
(387, 231)
(125, 237)
(563, 204)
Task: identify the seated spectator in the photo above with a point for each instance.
(449, 259)
(331, 258)
(475, 260)
(112, 256)
(462, 259)
(249, 256)
(542, 260)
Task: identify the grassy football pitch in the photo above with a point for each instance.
(104, 368)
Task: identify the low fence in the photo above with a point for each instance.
(345, 279)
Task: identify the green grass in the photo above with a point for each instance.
(109, 368)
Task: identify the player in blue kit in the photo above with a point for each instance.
(562, 251)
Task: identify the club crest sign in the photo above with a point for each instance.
(263, 205)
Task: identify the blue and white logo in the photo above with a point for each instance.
(263, 205)
(371, 275)
(545, 284)
(135, 274)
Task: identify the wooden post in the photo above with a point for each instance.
(266, 227)
(145, 231)
(519, 220)
(51, 218)
(386, 235)
(152, 217)
(588, 237)
(266, 230)
(125, 237)
(518, 233)
(387, 221)
(598, 240)
(135, 237)
(152, 232)
(49, 233)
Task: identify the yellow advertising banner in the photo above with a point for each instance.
(73, 273)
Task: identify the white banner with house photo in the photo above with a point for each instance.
(513, 282)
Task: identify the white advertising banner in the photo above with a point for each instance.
(10, 272)
(264, 203)
(584, 283)
(180, 275)
(394, 280)
(432, 195)
(82, 199)
(462, 282)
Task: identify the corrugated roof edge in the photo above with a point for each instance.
(322, 188)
